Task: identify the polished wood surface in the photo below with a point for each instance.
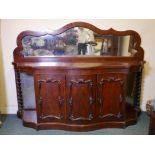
(80, 93)
(18, 57)
(30, 120)
(150, 107)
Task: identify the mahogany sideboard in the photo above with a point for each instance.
(78, 78)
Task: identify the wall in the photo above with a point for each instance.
(2, 84)
(11, 28)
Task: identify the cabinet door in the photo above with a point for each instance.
(111, 96)
(81, 98)
(50, 97)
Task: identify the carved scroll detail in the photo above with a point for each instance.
(59, 117)
(101, 98)
(60, 99)
(110, 115)
(89, 118)
(71, 101)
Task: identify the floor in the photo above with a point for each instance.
(13, 126)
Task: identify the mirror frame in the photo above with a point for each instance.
(19, 57)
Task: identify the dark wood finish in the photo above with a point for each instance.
(30, 120)
(137, 89)
(150, 106)
(111, 95)
(19, 93)
(152, 124)
(80, 93)
(50, 101)
(18, 57)
(81, 90)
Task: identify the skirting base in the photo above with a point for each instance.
(30, 120)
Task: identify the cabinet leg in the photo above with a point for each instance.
(19, 114)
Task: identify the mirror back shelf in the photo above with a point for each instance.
(78, 41)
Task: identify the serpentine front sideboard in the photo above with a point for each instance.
(78, 78)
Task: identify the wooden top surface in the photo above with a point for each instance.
(70, 65)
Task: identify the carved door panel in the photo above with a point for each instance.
(50, 97)
(111, 96)
(81, 91)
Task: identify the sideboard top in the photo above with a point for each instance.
(78, 41)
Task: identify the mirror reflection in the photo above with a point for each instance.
(78, 41)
